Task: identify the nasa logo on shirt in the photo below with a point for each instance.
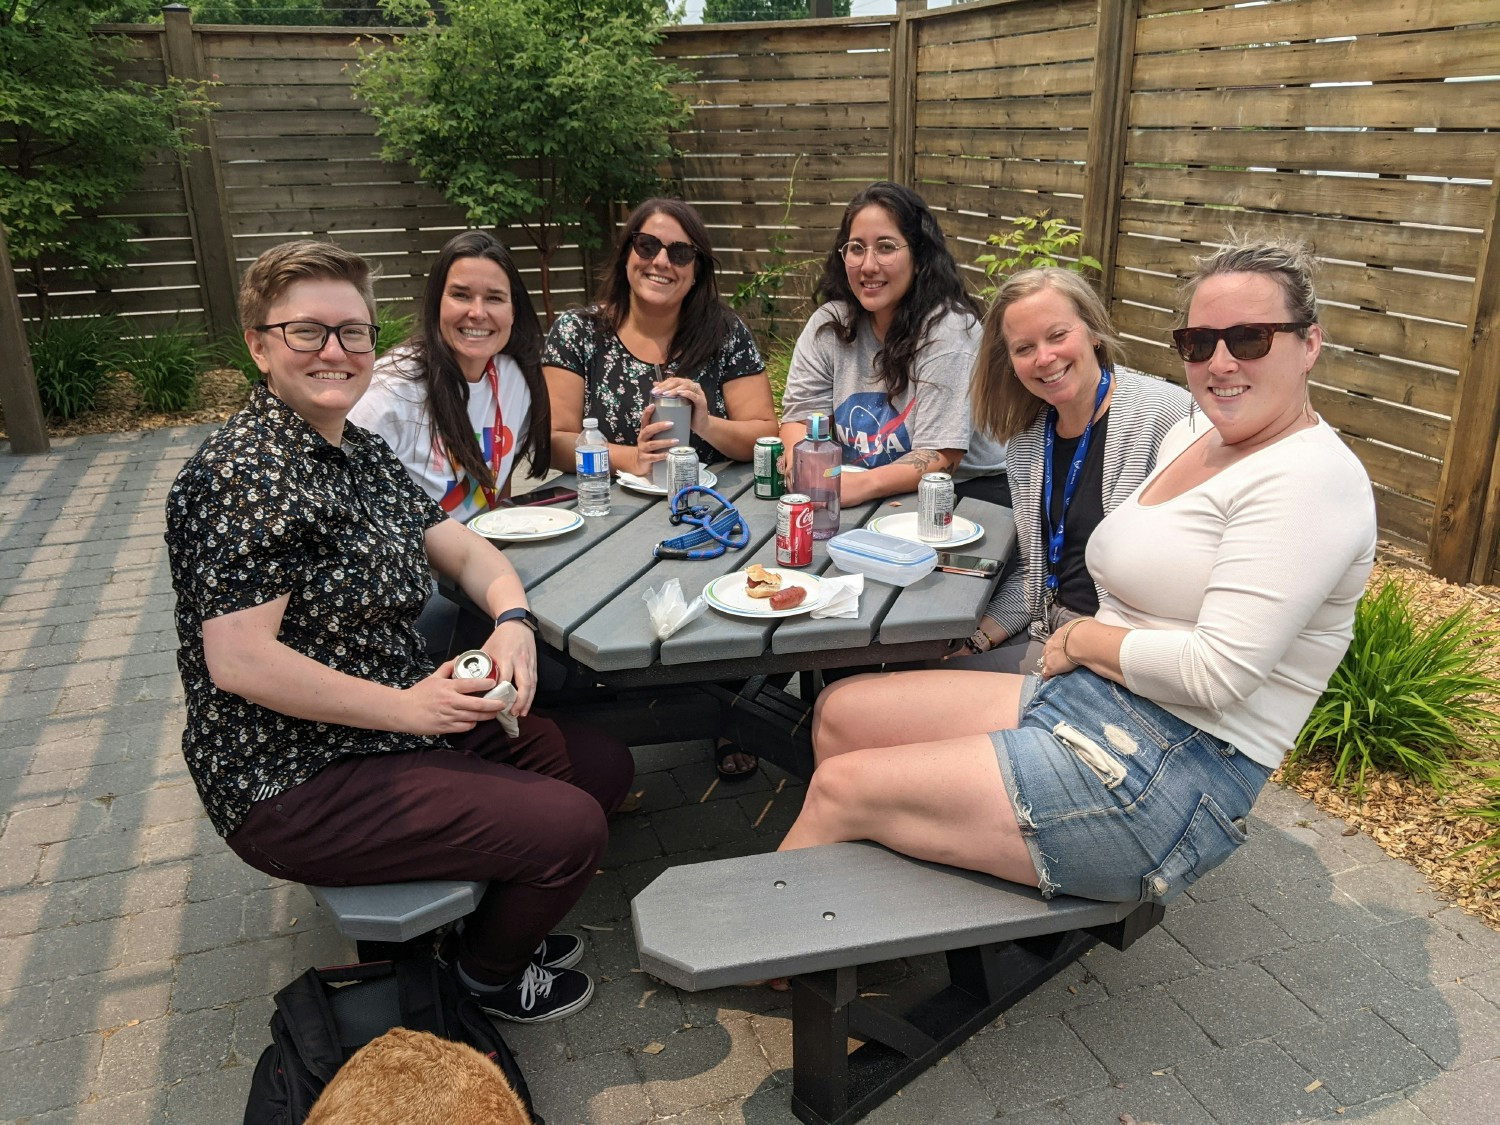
(871, 428)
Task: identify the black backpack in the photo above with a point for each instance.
(325, 1015)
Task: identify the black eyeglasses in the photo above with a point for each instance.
(648, 246)
(1244, 341)
(310, 336)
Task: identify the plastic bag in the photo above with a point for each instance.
(669, 610)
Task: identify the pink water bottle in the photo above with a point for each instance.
(816, 461)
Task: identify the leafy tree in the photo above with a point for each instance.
(742, 11)
(73, 138)
(306, 13)
(530, 111)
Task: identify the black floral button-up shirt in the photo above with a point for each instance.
(268, 507)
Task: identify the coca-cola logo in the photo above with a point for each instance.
(804, 516)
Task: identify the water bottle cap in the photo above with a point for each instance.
(591, 423)
(817, 427)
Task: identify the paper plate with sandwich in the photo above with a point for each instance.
(764, 591)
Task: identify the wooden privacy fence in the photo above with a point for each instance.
(1152, 125)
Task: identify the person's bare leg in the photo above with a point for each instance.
(943, 801)
(899, 708)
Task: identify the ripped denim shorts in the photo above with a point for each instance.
(1117, 798)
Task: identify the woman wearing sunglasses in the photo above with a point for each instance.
(325, 747)
(888, 354)
(1127, 767)
(465, 401)
(1082, 434)
(658, 325)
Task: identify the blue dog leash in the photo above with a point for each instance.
(714, 531)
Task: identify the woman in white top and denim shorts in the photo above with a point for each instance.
(1124, 768)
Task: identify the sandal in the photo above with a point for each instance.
(725, 767)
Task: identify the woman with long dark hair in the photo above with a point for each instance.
(659, 325)
(889, 352)
(465, 401)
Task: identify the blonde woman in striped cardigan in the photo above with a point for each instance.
(1049, 363)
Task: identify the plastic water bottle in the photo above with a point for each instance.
(591, 464)
(816, 461)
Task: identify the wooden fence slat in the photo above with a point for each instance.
(1389, 105)
(980, 22)
(1066, 111)
(274, 149)
(685, 43)
(786, 67)
(269, 123)
(1303, 20)
(797, 142)
(1026, 175)
(1005, 144)
(1051, 46)
(1049, 79)
(283, 99)
(871, 115)
(998, 201)
(296, 222)
(1436, 154)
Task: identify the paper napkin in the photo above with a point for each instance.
(841, 596)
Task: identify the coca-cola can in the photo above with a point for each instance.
(935, 507)
(794, 523)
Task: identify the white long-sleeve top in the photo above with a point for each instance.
(1239, 594)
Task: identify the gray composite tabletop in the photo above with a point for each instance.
(585, 588)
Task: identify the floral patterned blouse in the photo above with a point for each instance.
(268, 507)
(617, 385)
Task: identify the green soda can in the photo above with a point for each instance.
(769, 483)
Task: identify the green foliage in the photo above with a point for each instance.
(309, 13)
(395, 328)
(741, 11)
(72, 358)
(73, 139)
(1407, 696)
(778, 357)
(1033, 241)
(1489, 814)
(165, 369)
(537, 112)
(232, 352)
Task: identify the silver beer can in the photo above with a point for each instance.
(682, 469)
(935, 507)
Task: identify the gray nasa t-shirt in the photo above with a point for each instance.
(828, 376)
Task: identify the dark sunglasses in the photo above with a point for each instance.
(1244, 341)
(648, 246)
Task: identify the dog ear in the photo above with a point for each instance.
(414, 1078)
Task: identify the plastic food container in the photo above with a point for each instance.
(884, 558)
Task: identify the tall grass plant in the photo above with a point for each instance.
(72, 357)
(166, 369)
(1408, 695)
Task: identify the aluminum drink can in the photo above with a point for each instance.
(769, 483)
(935, 507)
(794, 523)
(682, 469)
(473, 665)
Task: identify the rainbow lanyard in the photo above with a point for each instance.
(1070, 484)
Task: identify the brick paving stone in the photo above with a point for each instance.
(1156, 958)
(33, 909)
(1254, 1084)
(229, 973)
(1146, 1098)
(136, 1106)
(773, 1031)
(1031, 1063)
(1333, 977)
(1487, 984)
(1224, 931)
(668, 755)
(189, 927)
(948, 1092)
(700, 826)
(1313, 910)
(1389, 891)
(1462, 1096)
(632, 838)
(23, 1016)
(111, 999)
(1144, 1032)
(1073, 987)
(66, 951)
(138, 1056)
(88, 856)
(698, 781)
(1357, 1057)
(629, 1012)
(1381, 1111)
(702, 1065)
(1240, 1003)
(48, 1075)
(131, 892)
(602, 1089)
(1452, 1024)
(213, 1097)
(1417, 951)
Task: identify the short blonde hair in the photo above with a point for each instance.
(280, 267)
(1002, 407)
(1289, 262)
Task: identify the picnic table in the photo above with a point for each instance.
(585, 588)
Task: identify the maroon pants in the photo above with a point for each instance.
(526, 814)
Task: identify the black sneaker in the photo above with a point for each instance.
(536, 995)
(557, 951)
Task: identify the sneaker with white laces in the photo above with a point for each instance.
(536, 995)
(558, 951)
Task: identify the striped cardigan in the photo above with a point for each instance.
(1142, 409)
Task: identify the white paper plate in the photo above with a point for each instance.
(524, 525)
(727, 594)
(903, 525)
(706, 477)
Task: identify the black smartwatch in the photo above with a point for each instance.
(521, 614)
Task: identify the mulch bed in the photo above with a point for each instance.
(1407, 820)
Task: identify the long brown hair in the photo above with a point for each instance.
(447, 389)
(1002, 406)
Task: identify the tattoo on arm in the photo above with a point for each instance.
(923, 460)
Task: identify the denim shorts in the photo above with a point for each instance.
(1117, 798)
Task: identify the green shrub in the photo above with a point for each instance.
(778, 356)
(395, 328)
(1489, 813)
(231, 351)
(1407, 696)
(72, 358)
(1033, 241)
(165, 369)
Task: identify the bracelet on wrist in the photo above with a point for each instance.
(1066, 633)
(521, 614)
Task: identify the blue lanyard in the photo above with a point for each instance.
(1055, 534)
